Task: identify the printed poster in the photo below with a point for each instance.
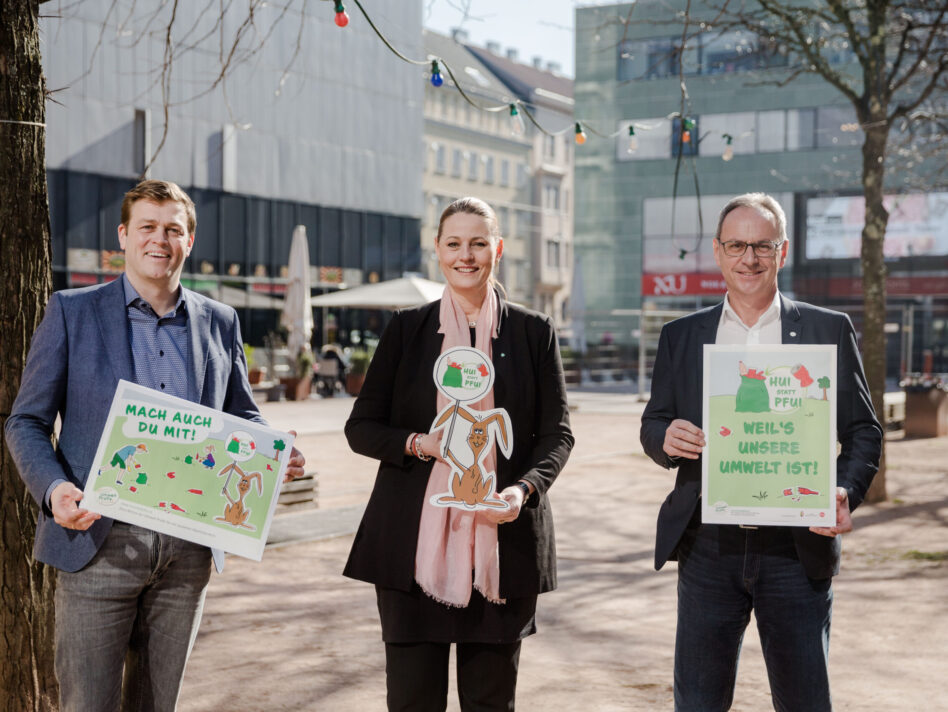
(183, 469)
(770, 426)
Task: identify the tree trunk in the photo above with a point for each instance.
(27, 680)
(873, 277)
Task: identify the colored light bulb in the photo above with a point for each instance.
(517, 127)
(580, 134)
(342, 17)
(728, 149)
(436, 79)
(686, 136)
(633, 144)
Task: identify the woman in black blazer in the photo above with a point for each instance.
(479, 572)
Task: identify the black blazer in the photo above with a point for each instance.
(676, 393)
(399, 397)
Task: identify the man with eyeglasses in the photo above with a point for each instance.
(782, 574)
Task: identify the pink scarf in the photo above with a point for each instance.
(457, 550)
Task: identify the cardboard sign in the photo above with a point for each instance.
(183, 469)
(770, 426)
(465, 375)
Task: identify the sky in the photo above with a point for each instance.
(541, 28)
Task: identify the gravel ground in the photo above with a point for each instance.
(290, 633)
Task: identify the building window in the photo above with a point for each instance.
(488, 169)
(741, 126)
(801, 129)
(771, 131)
(552, 253)
(657, 58)
(503, 220)
(709, 53)
(551, 196)
(549, 147)
(440, 160)
(652, 142)
(521, 175)
(837, 127)
(456, 163)
(505, 173)
(473, 167)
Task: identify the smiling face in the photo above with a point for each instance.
(751, 280)
(468, 253)
(156, 243)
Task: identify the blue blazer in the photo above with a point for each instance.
(676, 393)
(79, 352)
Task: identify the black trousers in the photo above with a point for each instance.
(416, 675)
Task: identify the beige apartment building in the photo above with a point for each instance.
(525, 176)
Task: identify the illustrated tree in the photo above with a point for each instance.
(824, 383)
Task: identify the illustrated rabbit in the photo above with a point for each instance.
(470, 486)
(235, 513)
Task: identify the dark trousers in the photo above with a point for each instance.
(725, 572)
(416, 675)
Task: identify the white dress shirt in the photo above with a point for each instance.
(767, 330)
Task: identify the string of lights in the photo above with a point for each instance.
(516, 108)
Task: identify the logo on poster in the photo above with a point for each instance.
(107, 496)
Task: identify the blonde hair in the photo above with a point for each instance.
(471, 206)
(762, 203)
(159, 191)
(475, 206)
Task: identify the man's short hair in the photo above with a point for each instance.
(762, 203)
(158, 191)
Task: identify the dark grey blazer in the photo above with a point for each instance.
(399, 397)
(676, 393)
(78, 354)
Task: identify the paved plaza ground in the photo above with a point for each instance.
(290, 633)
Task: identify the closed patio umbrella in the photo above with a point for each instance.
(297, 315)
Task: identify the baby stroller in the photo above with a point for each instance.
(330, 371)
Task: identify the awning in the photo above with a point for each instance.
(241, 299)
(392, 294)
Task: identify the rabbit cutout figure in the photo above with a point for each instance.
(471, 486)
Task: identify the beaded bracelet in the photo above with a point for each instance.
(416, 448)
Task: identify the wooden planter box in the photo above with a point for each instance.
(354, 383)
(926, 413)
(297, 388)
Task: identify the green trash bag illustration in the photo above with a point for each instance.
(752, 396)
(452, 376)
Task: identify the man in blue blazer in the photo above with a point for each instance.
(783, 574)
(127, 597)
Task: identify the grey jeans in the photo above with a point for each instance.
(136, 606)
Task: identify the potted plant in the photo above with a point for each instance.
(254, 373)
(355, 375)
(298, 386)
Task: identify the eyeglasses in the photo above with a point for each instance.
(737, 248)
